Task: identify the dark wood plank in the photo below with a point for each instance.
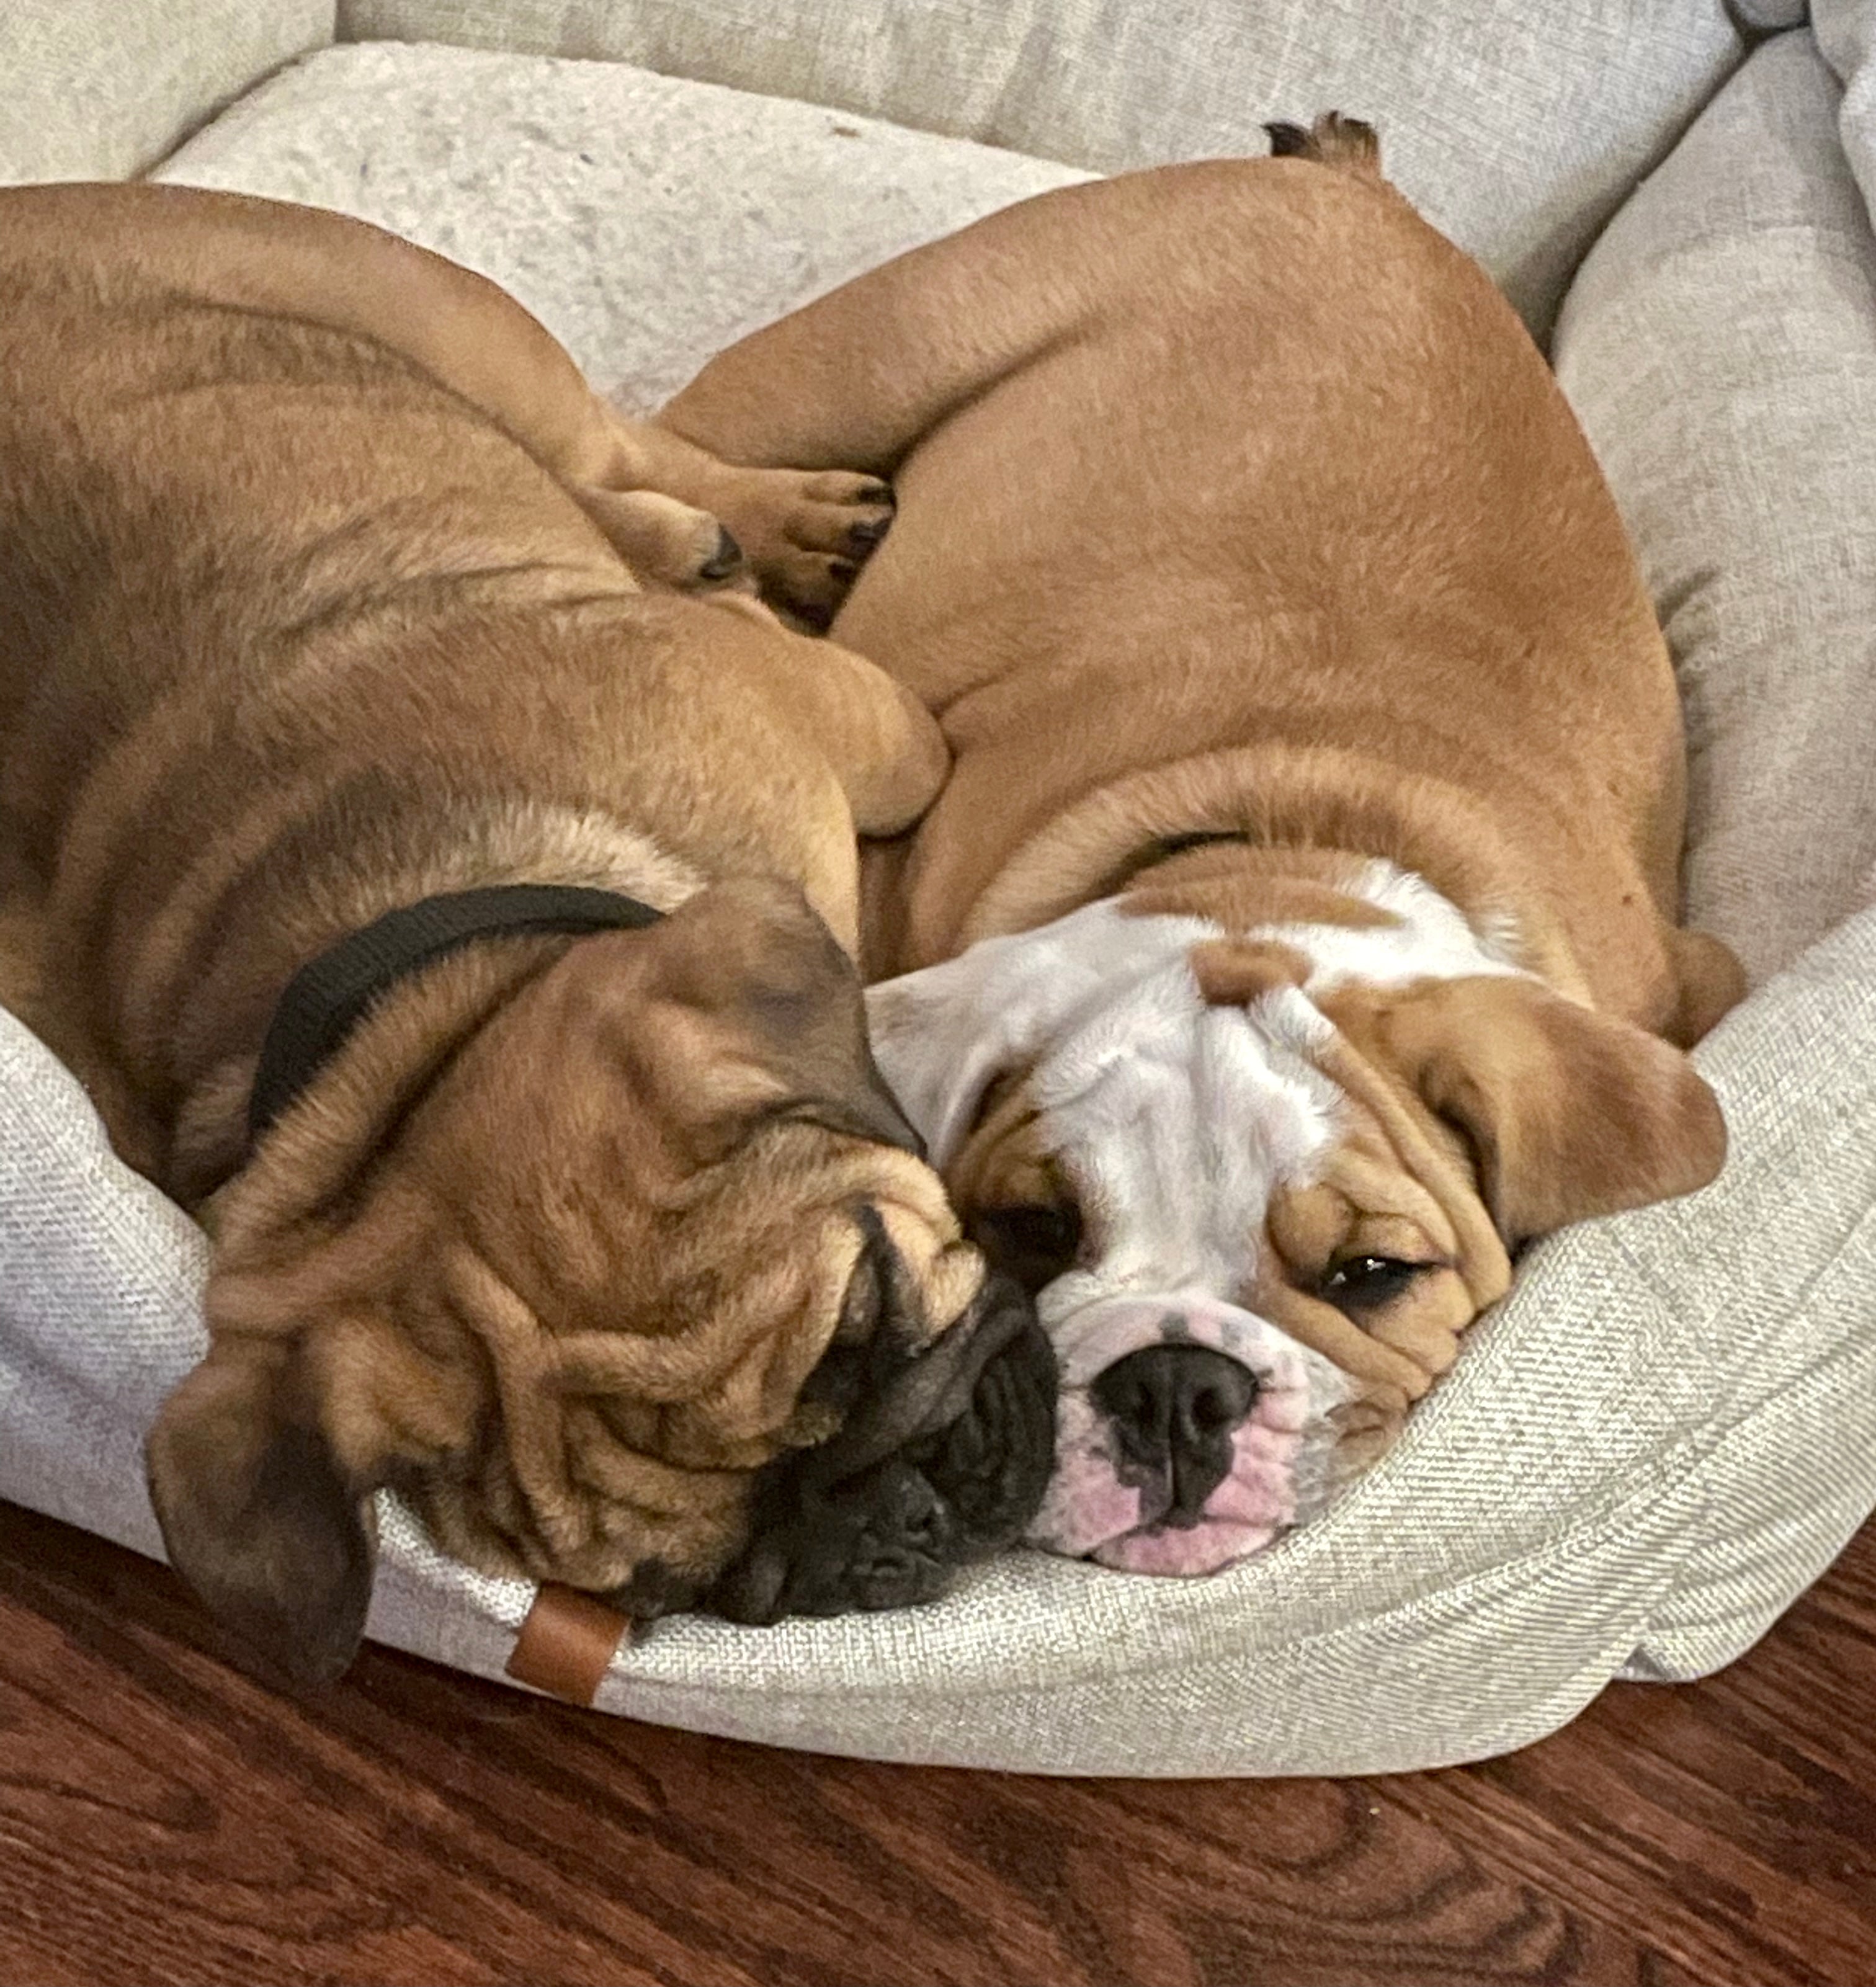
(164, 1818)
(1745, 1809)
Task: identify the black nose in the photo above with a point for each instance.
(1173, 1408)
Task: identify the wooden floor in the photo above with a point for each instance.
(163, 1818)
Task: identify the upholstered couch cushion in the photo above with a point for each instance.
(648, 221)
(1846, 33)
(1645, 1455)
(1719, 346)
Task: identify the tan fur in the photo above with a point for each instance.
(1433, 645)
(1243, 887)
(326, 585)
(1569, 1112)
(1006, 1162)
(1234, 501)
(1233, 972)
(1396, 1185)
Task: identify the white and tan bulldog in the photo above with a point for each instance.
(1296, 936)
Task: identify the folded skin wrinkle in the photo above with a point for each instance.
(942, 1462)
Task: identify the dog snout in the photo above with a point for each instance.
(1173, 1410)
(943, 1459)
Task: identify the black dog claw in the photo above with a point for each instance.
(726, 561)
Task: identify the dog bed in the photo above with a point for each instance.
(1667, 1431)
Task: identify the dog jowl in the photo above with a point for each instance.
(650, 1288)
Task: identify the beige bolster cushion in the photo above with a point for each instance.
(99, 89)
(1521, 128)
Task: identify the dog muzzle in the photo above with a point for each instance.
(943, 1462)
(1189, 1434)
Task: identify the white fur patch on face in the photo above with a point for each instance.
(1174, 1122)
(1430, 940)
(942, 1036)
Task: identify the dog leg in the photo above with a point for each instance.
(1711, 984)
(885, 746)
(879, 756)
(657, 500)
(666, 542)
(854, 380)
(803, 534)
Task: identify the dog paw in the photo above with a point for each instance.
(668, 543)
(806, 533)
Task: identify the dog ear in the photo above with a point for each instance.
(942, 1044)
(797, 1011)
(1569, 1113)
(257, 1514)
(740, 1008)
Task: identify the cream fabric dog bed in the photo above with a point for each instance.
(1670, 1428)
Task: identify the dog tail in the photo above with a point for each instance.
(1345, 142)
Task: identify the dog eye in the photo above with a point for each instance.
(1034, 1243)
(1366, 1283)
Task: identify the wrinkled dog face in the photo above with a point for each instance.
(656, 1229)
(1262, 1181)
(939, 1459)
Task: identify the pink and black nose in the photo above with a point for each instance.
(1173, 1410)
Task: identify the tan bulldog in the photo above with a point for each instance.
(1296, 936)
(454, 912)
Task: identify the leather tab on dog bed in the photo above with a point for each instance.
(567, 1639)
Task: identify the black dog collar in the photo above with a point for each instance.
(328, 996)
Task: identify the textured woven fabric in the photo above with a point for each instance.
(1642, 1456)
(1517, 129)
(1846, 33)
(648, 223)
(96, 89)
(1720, 348)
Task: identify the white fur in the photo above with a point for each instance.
(1432, 940)
(942, 1035)
(1175, 1121)
(1105, 1010)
